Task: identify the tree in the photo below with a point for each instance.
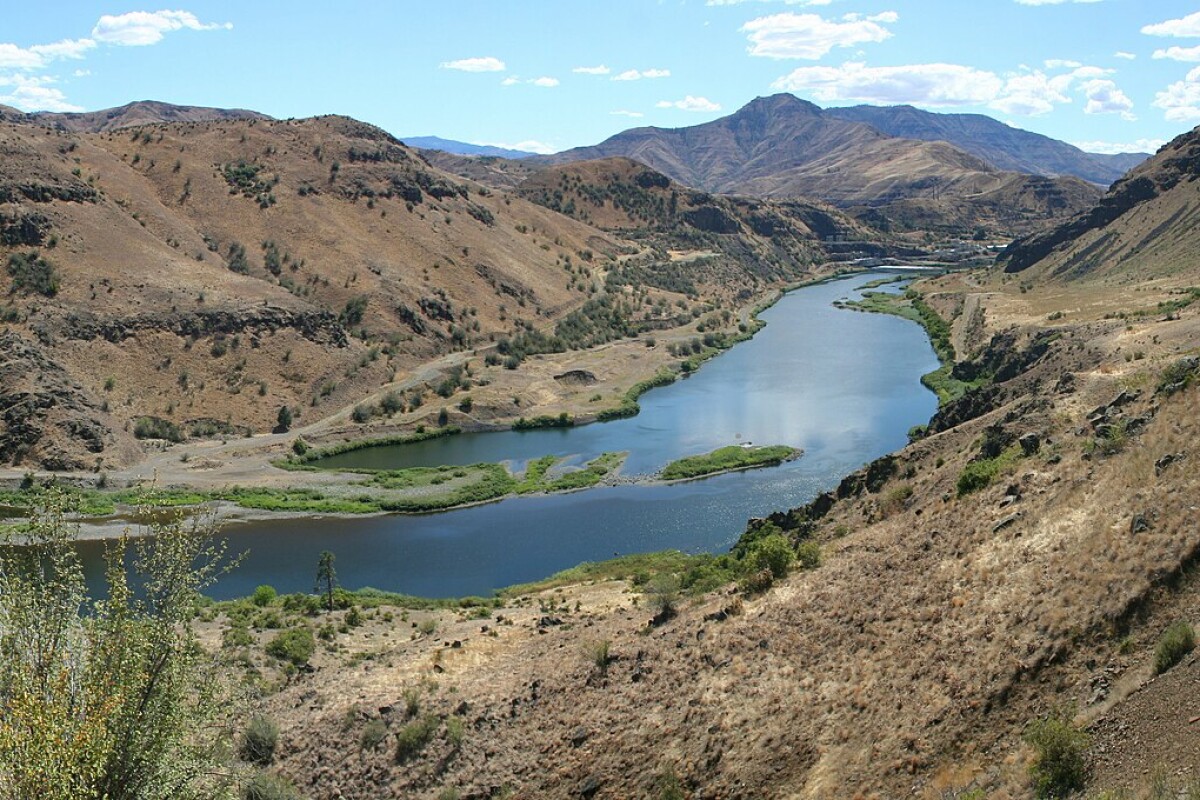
(326, 577)
(283, 420)
(111, 698)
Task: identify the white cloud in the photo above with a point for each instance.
(1051, 2)
(529, 146)
(811, 36)
(785, 2)
(1024, 93)
(14, 57)
(623, 113)
(33, 94)
(1124, 55)
(67, 48)
(1181, 100)
(690, 103)
(1188, 26)
(545, 82)
(1112, 148)
(928, 84)
(1061, 63)
(138, 28)
(598, 70)
(635, 75)
(480, 64)
(511, 80)
(1104, 97)
(82, 73)
(1176, 53)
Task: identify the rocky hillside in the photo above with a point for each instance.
(1002, 146)
(191, 278)
(1145, 227)
(711, 240)
(781, 146)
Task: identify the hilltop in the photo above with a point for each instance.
(781, 146)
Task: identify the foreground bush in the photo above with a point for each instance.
(1176, 642)
(265, 786)
(295, 645)
(111, 699)
(1059, 768)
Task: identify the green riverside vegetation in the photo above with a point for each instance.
(727, 458)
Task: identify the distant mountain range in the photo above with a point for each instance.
(782, 146)
(1001, 145)
(462, 148)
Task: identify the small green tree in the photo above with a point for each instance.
(326, 577)
(283, 420)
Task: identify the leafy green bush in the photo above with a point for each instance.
(1176, 642)
(774, 553)
(295, 645)
(157, 428)
(265, 786)
(808, 554)
(263, 595)
(1059, 767)
(259, 741)
(413, 737)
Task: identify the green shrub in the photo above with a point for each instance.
(265, 786)
(157, 428)
(1176, 642)
(773, 552)
(1059, 767)
(456, 731)
(598, 653)
(413, 737)
(295, 645)
(32, 274)
(373, 734)
(808, 555)
(259, 741)
(263, 596)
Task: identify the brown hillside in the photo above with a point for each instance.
(142, 112)
(1145, 227)
(216, 271)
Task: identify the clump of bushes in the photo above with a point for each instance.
(157, 428)
(265, 786)
(295, 646)
(1059, 768)
(413, 737)
(259, 741)
(1176, 642)
(373, 734)
(32, 274)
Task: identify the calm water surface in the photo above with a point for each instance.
(842, 385)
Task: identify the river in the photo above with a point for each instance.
(842, 385)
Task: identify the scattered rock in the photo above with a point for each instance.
(1139, 523)
(576, 377)
(1030, 443)
(1007, 521)
(1166, 461)
(578, 736)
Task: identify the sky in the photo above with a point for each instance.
(546, 75)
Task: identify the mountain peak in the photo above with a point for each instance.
(779, 103)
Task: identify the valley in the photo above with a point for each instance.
(914, 584)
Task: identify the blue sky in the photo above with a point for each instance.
(546, 75)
